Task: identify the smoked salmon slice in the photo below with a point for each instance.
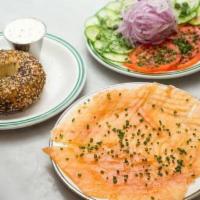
(131, 144)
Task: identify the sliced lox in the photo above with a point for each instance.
(131, 144)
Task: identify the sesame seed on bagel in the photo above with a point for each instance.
(22, 79)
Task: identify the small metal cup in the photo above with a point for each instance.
(34, 47)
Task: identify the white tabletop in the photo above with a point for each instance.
(25, 171)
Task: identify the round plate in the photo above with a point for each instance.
(194, 189)
(66, 75)
(123, 70)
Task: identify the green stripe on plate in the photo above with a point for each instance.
(66, 102)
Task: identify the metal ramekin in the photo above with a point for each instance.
(34, 47)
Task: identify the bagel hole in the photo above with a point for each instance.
(8, 69)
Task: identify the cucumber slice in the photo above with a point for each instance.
(127, 3)
(185, 10)
(109, 18)
(193, 4)
(92, 21)
(110, 35)
(114, 24)
(118, 48)
(107, 34)
(196, 21)
(182, 20)
(115, 6)
(116, 57)
(105, 14)
(100, 45)
(92, 33)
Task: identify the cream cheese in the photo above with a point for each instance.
(24, 31)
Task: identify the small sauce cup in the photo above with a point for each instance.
(26, 34)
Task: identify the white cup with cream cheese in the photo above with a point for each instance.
(26, 34)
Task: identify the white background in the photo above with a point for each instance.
(26, 172)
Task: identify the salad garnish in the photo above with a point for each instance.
(133, 34)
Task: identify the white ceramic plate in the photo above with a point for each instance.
(123, 70)
(66, 76)
(193, 191)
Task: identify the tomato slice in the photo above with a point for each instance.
(188, 31)
(180, 51)
(190, 62)
(154, 59)
(188, 41)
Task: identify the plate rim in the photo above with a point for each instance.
(80, 82)
(58, 170)
(170, 75)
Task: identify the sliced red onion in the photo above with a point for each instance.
(148, 22)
